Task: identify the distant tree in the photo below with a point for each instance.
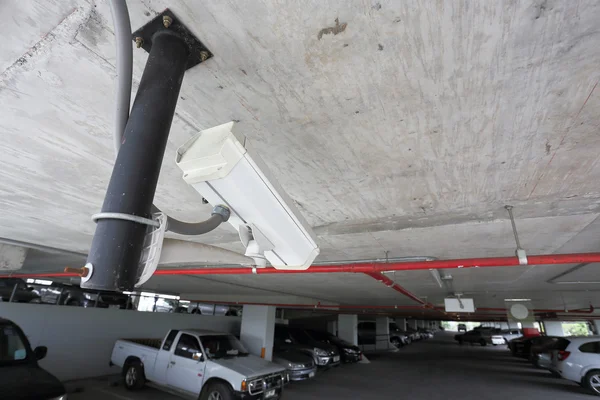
(575, 329)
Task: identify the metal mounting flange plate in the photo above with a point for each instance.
(198, 51)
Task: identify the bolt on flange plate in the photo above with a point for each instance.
(198, 51)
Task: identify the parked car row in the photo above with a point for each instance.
(488, 335)
(17, 290)
(210, 365)
(573, 358)
(367, 334)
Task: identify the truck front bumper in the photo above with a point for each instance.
(261, 396)
(302, 374)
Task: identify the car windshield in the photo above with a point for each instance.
(301, 336)
(11, 282)
(13, 350)
(222, 346)
(319, 336)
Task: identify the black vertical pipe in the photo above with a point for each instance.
(117, 244)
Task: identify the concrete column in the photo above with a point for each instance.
(382, 333)
(401, 322)
(332, 327)
(258, 330)
(597, 326)
(412, 323)
(554, 328)
(348, 328)
(11, 257)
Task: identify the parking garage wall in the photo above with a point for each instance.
(80, 340)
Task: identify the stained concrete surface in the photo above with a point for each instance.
(434, 369)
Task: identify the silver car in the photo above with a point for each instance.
(299, 366)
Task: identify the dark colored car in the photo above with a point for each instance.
(348, 352)
(474, 336)
(20, 375)
(299, 366)
(73, 295)
(535, 350)
(462, 327)
(323, 354)
(23, 294)
(521, 347)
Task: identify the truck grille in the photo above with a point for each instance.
(263, 383)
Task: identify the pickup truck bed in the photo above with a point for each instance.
(154, 343)
(191, 362)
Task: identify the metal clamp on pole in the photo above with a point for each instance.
(520, 253)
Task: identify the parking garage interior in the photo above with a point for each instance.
(412, 180)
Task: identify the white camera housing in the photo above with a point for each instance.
(224, 168)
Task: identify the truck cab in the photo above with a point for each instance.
(198, 364)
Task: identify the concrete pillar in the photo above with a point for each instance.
(554, 328)
(401, 322)
(382, 333)
(258, 330)
(11, 257)
(412, 323)
(348, 328)
(332, 327)
(597, 326)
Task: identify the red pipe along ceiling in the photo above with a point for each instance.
(374, 270)
(551, 259)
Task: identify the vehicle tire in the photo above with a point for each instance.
(133, 376)
(35, 301)
(483, 342)
(396, 342)
(591, 381)
(460, 341)
(217, 391)
(555, 374)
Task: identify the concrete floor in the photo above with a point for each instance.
(434, 369)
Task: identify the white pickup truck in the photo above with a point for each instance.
(198, 364)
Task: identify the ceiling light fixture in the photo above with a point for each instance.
(221, 165)
(517, 299)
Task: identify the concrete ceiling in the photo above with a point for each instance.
(405, 133)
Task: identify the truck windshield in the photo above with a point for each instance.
(13, 348)
(222, 346)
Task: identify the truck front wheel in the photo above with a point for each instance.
(218, 391)
(133, 376)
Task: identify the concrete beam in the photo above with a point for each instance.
(554, 328)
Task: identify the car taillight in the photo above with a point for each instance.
(563, 355)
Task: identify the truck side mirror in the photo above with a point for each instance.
(198, 356)
(40, 352)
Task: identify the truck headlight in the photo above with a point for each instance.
(91, 296)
